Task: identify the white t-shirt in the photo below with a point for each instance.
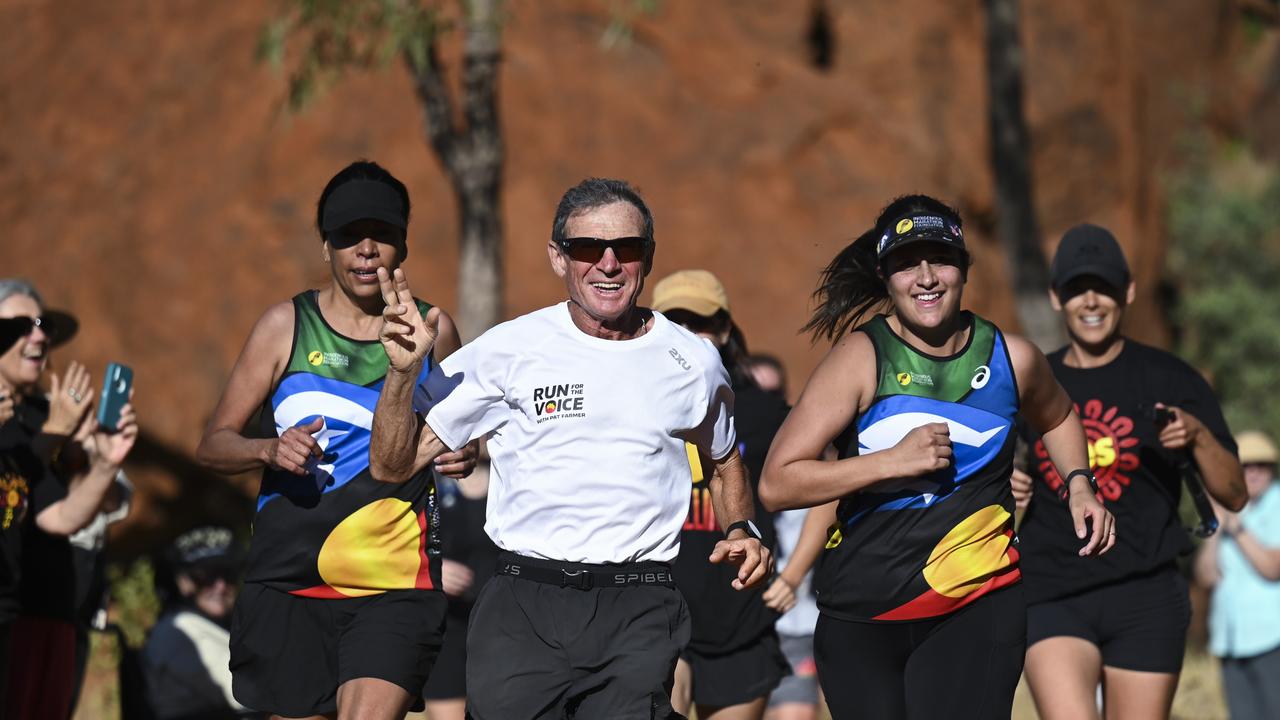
(587, 436)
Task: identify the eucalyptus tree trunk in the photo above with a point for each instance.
(472, 157)
(1016, 224)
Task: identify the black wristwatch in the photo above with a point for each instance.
(1065, 491)
(746, 526)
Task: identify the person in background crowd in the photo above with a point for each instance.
(1241, 562)
(1122, 619)
(586, 406)
(58, 470)
(801, 535)
(733, 660)
(187, 653)
(341, 609)
(769, 373)
(922, 613)
(468, 558)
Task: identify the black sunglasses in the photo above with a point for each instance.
(22, 325)
(591, 250)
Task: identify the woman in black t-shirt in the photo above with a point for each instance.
(734, 659)
(1120, 619)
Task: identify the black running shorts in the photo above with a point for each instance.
(541, 651)
(739, 676)
(289, 654)
(1138, 624)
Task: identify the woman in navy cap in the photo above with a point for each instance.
(918, 586)
(341, 610)
(1121, 621)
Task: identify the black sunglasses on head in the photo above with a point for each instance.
(591, 250)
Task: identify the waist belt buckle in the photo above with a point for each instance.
(580, 579)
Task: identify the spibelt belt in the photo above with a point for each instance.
(584, 576)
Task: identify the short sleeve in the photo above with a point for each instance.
(467, 392)
(716, 435)
(1199, 400)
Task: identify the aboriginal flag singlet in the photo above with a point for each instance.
(336, 532)
(923, 547)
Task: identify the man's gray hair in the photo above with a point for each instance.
(598, 192)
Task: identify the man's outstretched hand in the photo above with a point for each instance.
(406, 336)
(754, 561)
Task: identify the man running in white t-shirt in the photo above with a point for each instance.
(594, 409)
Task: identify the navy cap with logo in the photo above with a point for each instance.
(920, 227)
(363, 200)
(1089, 250)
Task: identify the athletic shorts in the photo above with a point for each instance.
(1138, 623)
(538, 650)
(289, 654)
(448, 679)
(801, 686)
(740, 676)
(962, 666)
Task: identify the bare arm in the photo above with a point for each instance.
(224, 448)
(88, 490)
(795, 473)
(1046, 406)
(1205, 567)
(400, 444)
(1223, 476)
(731, 496)
(813, 537)
(1264, 558)
(459, 463)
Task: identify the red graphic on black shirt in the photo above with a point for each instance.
(1111, 453)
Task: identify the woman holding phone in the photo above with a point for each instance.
(921, 612)
(57, 470)
(341, 611)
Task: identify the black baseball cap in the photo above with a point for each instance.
(920, 227)
(1089, 250)
(363, 200)
(211, 545)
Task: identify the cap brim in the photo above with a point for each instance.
(698, 305)
(386, 215)
(1108, 274)
(936, 238)
(59, 326)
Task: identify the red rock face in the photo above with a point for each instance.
(152, 181)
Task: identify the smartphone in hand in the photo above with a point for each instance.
(115, 395)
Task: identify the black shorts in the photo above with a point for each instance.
(962, 665)
(739, 676)
(448, 679)
(289, 654)
(541, 651)
(1138, 623)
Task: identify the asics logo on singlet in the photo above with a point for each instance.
(980, 377)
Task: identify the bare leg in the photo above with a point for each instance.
(447, 709)
(372, 699)
(792, 711)
(1138, 695)
(682, 690)
(1063, 673)
(753, 710)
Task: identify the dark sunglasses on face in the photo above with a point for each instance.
(591, 250)
(693, 322)
(22, 325)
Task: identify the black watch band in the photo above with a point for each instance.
(1065, 491)
(746, 526)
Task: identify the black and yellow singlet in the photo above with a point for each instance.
(925, 546)
(335, 532)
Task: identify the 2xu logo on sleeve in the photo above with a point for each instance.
(559, 401)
